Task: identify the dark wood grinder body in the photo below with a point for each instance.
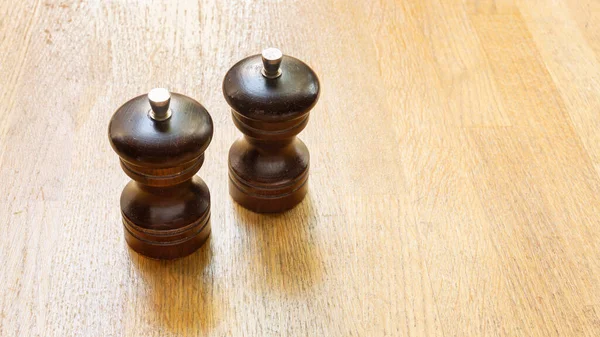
(160, 139)
(270, 96)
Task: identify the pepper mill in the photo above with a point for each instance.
(270, 97)
(160, 139)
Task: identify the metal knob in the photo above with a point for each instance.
(159, 98)
(271, 58)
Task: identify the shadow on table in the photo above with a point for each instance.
(177, 294)
(283, 253)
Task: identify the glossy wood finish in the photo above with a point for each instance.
(165, 209)
(454, 156)
(268, 167)
(179, 140)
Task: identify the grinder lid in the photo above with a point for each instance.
(271, 87)
(160, 129)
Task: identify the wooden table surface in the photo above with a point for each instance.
(455, 170)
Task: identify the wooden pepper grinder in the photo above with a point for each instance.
(160, 139)
(270, 96)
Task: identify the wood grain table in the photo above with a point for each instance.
(454, 189)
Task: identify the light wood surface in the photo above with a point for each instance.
(454, 189)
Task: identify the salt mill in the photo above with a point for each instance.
(270, 95)
(160, 139)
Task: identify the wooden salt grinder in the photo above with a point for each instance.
(270, 96)
(160, 139)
